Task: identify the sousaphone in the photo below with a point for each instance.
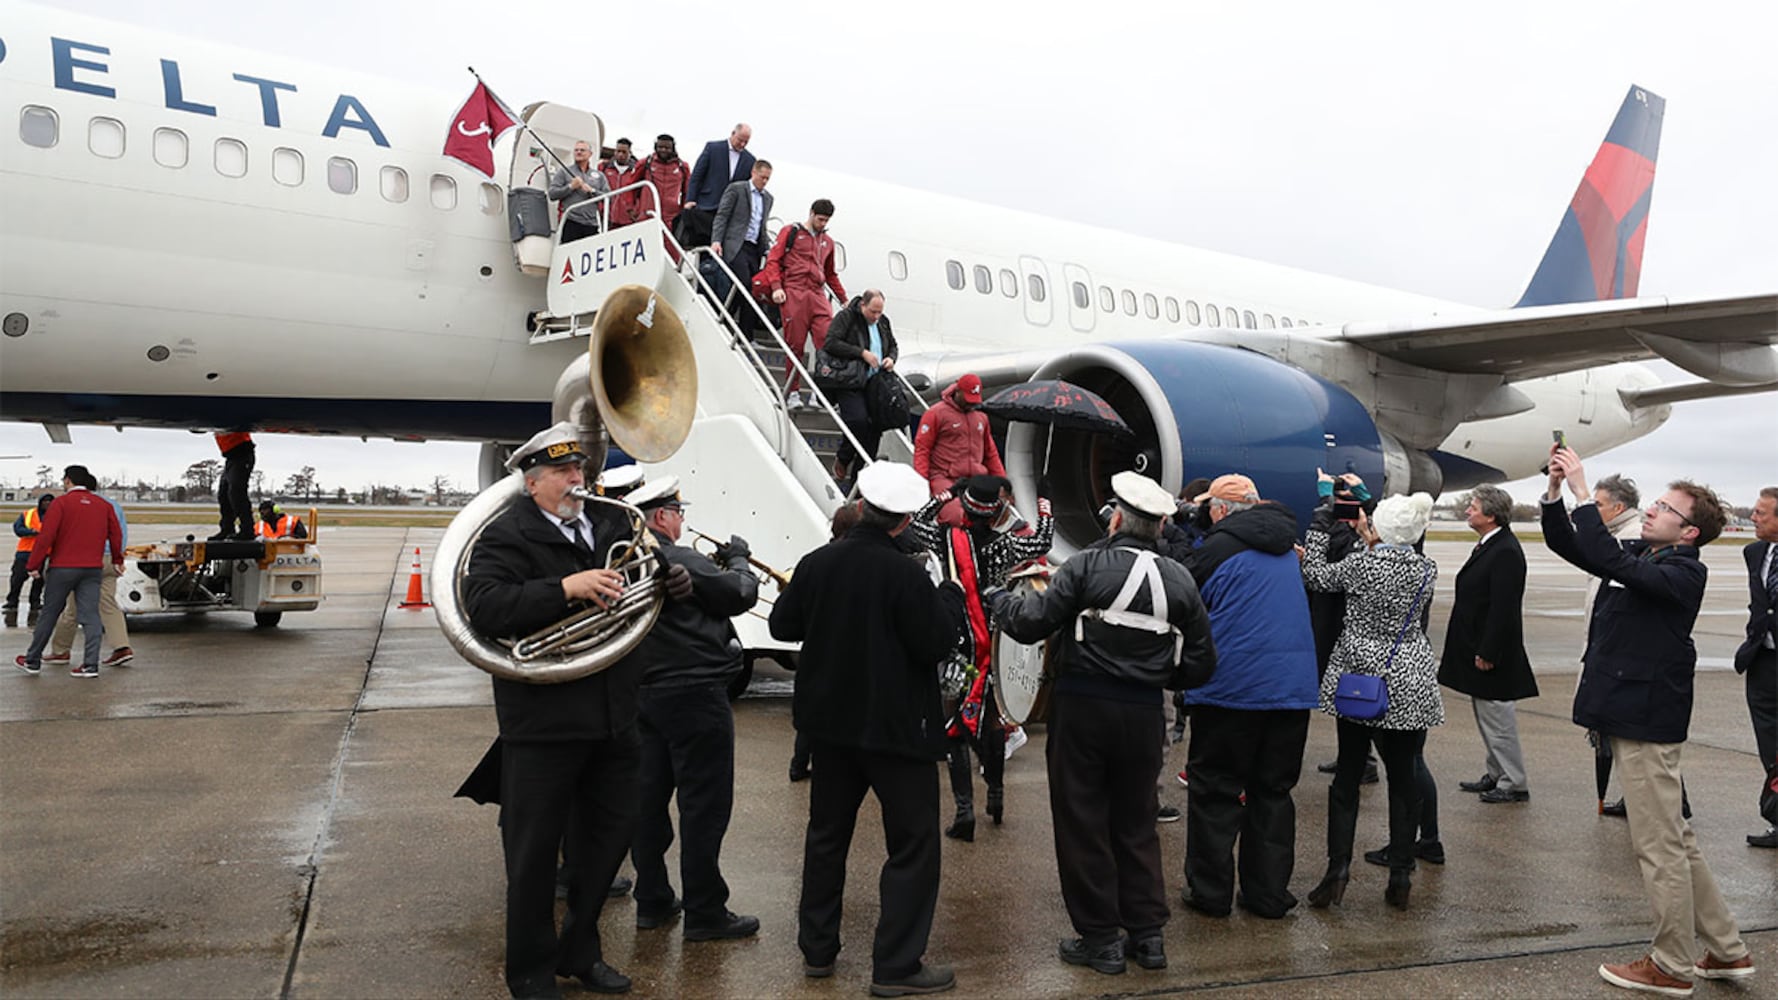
(637, 385)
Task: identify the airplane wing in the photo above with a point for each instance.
(1726, 341)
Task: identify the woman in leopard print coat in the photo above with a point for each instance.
(1388, 587)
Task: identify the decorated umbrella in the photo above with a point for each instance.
(1058, 404)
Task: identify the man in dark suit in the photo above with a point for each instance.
(1757, 659)
(742, 232)
(723, 162)
(1485, 644)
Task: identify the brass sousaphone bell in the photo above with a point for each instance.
(641, 379)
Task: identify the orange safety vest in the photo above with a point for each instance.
(225, 443)
(282, 528)
(35, 523)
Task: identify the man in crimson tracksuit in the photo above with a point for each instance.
(954, 441)
(670, 176)
(800, 264)
(620, 172)
(75, 532)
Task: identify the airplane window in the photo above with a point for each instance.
(1214, 314)
(984, 280)
(954, 274)
(1035, 289)
(839, 256)
(342, 175)
(171, 148)
(1193, 315)
(104, 136)
(1247, 319)
(38, 126)
(394, 184)
(231, 157)
(1151, 305)
(1129, 302)
(1082, 298)
(1172, 309)
(444, 193)
(898, 265)
(1269, 322)
(1107, 299)
(287, 166)
(1009, 284)
(490, 199)
(1301, 321)
(1286, 322)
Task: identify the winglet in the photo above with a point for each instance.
(1596, 253)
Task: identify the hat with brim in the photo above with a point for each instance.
(1141, 494)
(893, 488)
(618, 481)
(656, 494)
(555, 445)
(1233, 488)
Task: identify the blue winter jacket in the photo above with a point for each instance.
(1248, 574)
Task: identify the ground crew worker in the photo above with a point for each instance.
(26, 526)
(1130, 624)
(274, 523)
(231, 489)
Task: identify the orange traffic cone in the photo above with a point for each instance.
(416, 595)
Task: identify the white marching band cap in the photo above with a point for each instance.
(656, 493)
(558, 444)
(617, 481)
(893, 487)
(1142, 494)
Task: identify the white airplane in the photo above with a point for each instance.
(192, 235)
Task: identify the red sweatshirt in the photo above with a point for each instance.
(75, 531)
(806, 266)
(951, 444)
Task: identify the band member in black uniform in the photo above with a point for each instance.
(873, 628)
(687, 728)
(568, 751)
(980, 556)
(1131, 624)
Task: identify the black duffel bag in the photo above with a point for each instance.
(886, 400)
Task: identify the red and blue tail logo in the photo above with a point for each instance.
(1597, 250)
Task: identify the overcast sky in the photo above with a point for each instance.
(1430, 147)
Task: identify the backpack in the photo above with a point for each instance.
(886, 400)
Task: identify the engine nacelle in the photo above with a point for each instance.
(1197, 410)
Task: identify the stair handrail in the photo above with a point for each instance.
(733, 327)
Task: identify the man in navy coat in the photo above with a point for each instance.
(1757, 659)
(723, 162)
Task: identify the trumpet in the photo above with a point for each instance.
(777, 576)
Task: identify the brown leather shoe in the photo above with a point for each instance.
(1719, 968)
(1643, 974)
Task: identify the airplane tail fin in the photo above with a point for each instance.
(1596, 253)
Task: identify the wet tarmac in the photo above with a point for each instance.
(260, 813)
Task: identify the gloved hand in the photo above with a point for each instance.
(735, 549)
(677, 580)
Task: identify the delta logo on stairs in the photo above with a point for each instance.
(567, 271)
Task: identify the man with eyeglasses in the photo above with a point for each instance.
(1636, 689)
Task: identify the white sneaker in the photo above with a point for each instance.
(793, 402)
(1014, 740)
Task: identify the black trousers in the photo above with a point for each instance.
(574, 229)
(231, 489)
(745, 263)
(1103, 759)
(989, 741)
(20, 574)
(907, 791)
(1401, 751)
(548, 789)
(1762, 706)
(855, 413)
(1259, 753)
(688, 749)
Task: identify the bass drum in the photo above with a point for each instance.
(1021, 675)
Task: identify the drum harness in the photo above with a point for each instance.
(1146, 569)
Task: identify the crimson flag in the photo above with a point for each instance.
(479, 123)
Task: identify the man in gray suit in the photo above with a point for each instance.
(741, 233)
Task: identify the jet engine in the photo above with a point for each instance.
(1201, 410)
